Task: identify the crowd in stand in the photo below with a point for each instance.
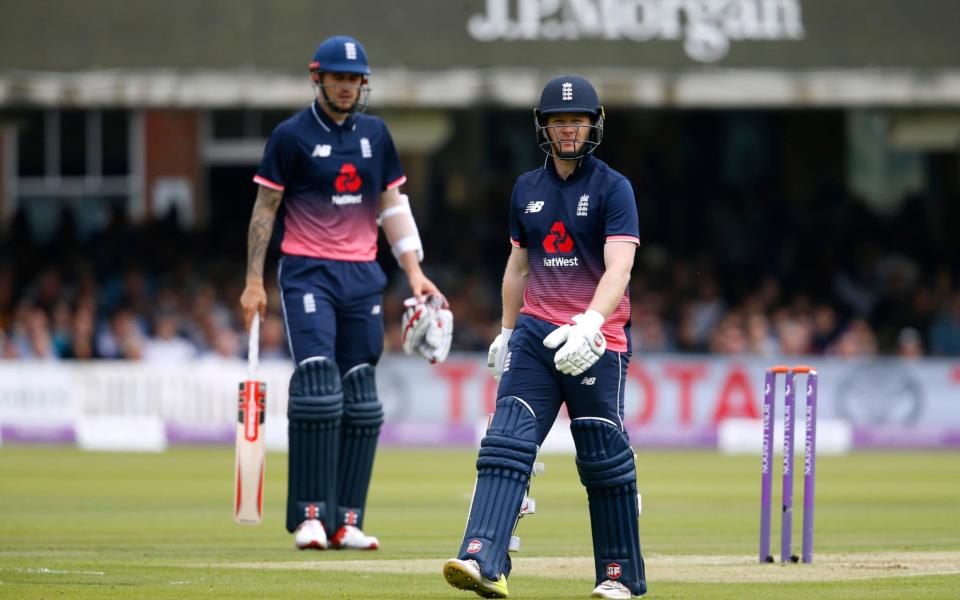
(154, 293)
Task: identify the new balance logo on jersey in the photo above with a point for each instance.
(321, 151)
(588, 381)
(347, 181)
(365, 149)
(583, 205)
(534, 206)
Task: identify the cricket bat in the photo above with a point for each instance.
(251, 459)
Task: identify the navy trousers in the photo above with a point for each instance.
(333, 308)
(532, 377)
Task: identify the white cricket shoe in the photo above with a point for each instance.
(349, 537)
(310, 534)
(612, 589)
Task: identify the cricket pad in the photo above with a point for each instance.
(362, 418)
(507, 454)
(314, 411)
(607, 469)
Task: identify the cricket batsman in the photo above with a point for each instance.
(565, 340)
(330, 173)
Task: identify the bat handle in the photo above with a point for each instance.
(253, 349)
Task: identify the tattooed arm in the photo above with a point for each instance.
(254, 297)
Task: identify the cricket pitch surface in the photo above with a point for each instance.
(684, 568)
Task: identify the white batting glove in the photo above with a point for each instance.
(414, 324)
(427, 328)
(583, 344)
(439, 336)
(498, 353)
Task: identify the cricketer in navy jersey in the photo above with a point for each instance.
(565, 341)
(331, 176)
(329, 172)
(564, 225)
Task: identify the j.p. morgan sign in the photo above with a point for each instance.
(706, 27)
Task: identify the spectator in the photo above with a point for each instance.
(82, 332)
(61, 329)
(224, 347)
(729, 336)
(856, 340)
(706, 310)
(795, 334)
(122, 337)
(166, 344)
(649, 330)
(909, 343)
(826, 327)
(945, 331)
(760, 338)
(36, 341)
(7, 297)
(8, 350)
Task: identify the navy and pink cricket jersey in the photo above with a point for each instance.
(564, 225)
(331, 177)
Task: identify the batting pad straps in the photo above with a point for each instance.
(361, 407)
(604, 459)
(313, 411)
(362, 418)
(401, 229)
(511, 440)
(605, 462)
(315, 392)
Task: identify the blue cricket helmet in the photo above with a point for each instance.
(569, 94)
(340, 54)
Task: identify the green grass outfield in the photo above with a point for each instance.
(88, 525)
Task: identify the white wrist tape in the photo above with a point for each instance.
(406, 244)
(396, 209)
(401, 229)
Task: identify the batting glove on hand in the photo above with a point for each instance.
(427, 328)
(498, 353)
(583, 344)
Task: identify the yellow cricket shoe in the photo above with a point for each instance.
(466, 575)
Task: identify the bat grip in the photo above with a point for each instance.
(253, 349)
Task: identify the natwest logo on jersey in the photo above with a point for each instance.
(347, 181)
(558, 241)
